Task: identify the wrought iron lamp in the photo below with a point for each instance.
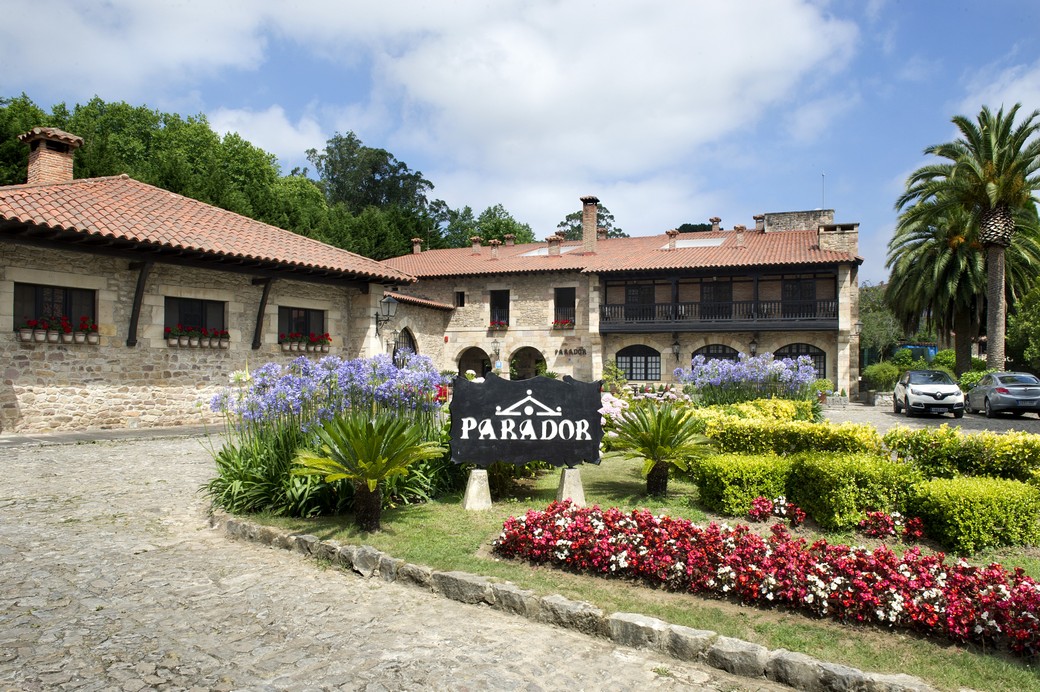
(753, 346)
(387, 311)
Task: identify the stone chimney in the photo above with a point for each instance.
(672, 235)
(601, 233)
(50, 155)
(760, 222)
(739, 230)
(588, 223)
(715, 221)
(554, 245)
(416, 246)
(840, 237)
(510, 239)
(476, 244)
(494, 243)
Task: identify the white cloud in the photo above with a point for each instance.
(993, 87)
(271, 130)
(810, 119)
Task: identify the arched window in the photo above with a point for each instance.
(640, 363)
(819, 358)
(404, 345)
(716, 352)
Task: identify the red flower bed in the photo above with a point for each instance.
(988, 605)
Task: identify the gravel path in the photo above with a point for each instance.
(112, 580)
(883, 418)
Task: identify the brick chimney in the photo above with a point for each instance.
(740, 235)
(476, 244)
(416, 246)
(510, 239)
(554, 245)
(715, 221)
(672, 235)
(601, 233)
(588, 223)
(50, 155)
(494, 243)
(760, 222)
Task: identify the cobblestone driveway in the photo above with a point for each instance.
(112, 580)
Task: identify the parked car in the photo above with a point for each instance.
(1013, 392)
(927, 391)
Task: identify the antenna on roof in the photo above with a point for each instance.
(823, 190)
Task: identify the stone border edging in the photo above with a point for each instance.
(734, 656)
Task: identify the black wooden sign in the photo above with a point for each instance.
(540, 419)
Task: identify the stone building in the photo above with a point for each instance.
(136, 261)
(787, 286)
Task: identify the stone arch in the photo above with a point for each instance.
(794, 350)
(405, 344)
(473, 358)
(717, 352)
(640, 362)
(524, 363)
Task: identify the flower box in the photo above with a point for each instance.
(497, 326)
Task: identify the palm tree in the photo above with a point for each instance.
(660, 436)
(990, 173)
(366, 450)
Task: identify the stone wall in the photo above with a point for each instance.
(798, 220)
(110, 385)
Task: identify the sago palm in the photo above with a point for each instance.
(366, 449)
(991, 173)
(659, 436)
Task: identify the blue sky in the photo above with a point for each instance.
(670, 112)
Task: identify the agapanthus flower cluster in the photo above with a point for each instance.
(763, 509)
(308, 392)
(882, 525)
(959, 602)
(721, 381)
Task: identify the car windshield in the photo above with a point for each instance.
(1018, 378)
(930, 377)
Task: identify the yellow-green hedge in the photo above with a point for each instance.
(790, 437)
(727, 483)
(946, 452)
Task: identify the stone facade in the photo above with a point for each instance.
(110, 385)
(795, 220)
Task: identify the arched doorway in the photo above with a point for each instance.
(474, 359)
(404, 345)
(819, 356)
(526, 363)
(640, 362)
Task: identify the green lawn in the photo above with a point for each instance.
(445, 537)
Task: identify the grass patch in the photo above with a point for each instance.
(443, 536)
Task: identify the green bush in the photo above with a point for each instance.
(881, 376)
(971, 378)
(837, 490)
(729, 482)
(968, 514)
(790, 437)
(946, 359)
(946, 452)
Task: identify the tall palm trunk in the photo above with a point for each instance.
(964, 332)
(995, 307)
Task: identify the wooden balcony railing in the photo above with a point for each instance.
(705, 316)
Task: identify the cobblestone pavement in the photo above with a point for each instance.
(112, 580)
(883, 418)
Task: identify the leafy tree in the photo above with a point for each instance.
(298, 205)
(366, 450)
(1024, 332)
(881, 330)
(570, 228)
(495, 223)
(694, 227)
(659, 436)
(459, 225)
(17, 115)
(990, 174)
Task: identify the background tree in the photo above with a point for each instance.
(989, 173)
(494, 223)
(694, 227)
(457, 225)
(17, 115)
(881, 329)
(570, 227)
(1024, 332)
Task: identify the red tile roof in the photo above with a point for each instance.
(121, 208)
(645, 253)
(416, 300)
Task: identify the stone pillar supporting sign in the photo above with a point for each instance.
(478, 492)
(571, 488)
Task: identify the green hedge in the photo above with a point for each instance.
(729, 482)
(969, 514)
(791, 437)
(947, 452)
(837, 490)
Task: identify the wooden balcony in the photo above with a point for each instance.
(760, 315)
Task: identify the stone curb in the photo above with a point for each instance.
(734, 656)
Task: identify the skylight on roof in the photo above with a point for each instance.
(696, 242)
(544, 251)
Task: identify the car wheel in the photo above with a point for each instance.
(990, 413)
(906, 407)
(958, 414)
(896, 408)
(967, 406)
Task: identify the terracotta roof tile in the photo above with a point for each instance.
(125, 209)
(645, 253)
(416, 300)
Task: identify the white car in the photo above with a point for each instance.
(928, 391)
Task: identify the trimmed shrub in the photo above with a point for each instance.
(729, 483)
(880, 376)
(837, 490)
(946, 452)
(791, 437)
(968, 514)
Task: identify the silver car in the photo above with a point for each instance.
(1014, 392)
(927, 391)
